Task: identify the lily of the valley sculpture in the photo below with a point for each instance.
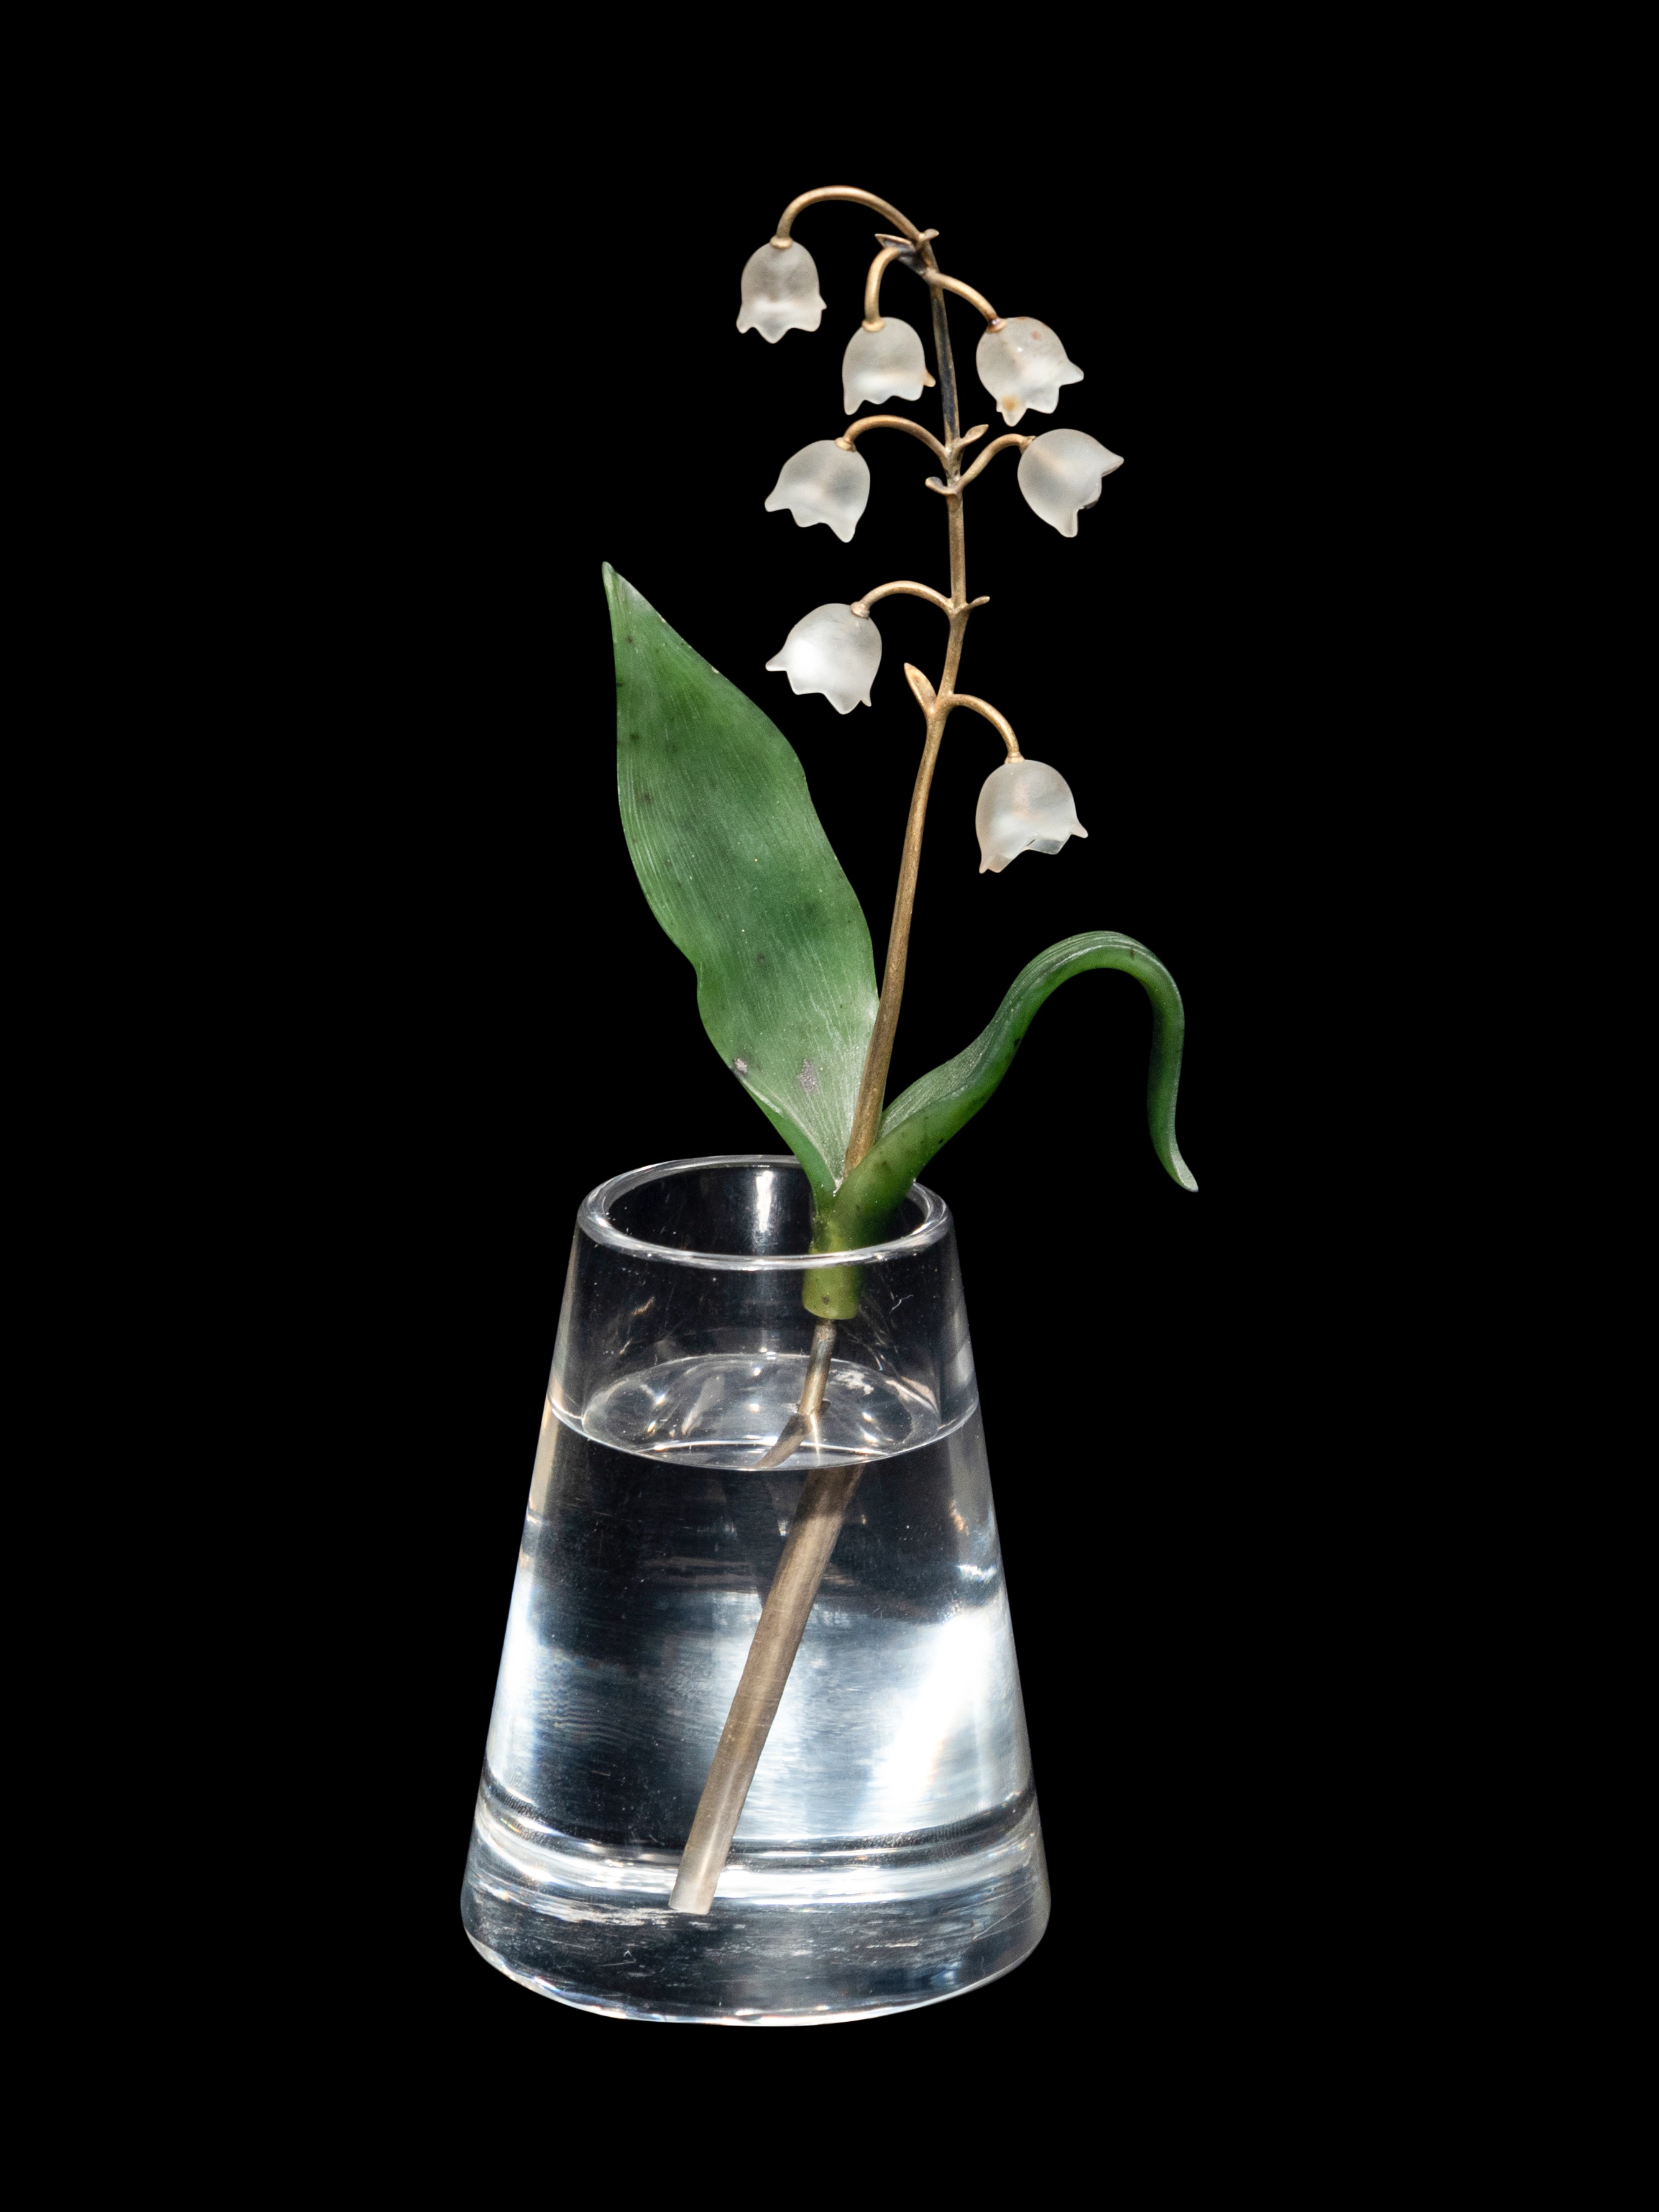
(739, 871)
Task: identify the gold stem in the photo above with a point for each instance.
(947, 363)
(866, 1114)
(872, 1085)
(872, 284)
(917, 591)
(850, 436)
(998, 722)
(781, 237)
(825, 1497)
(936, 279)
(1013, 438)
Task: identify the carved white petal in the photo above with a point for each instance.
(884, 364)
(1061, 473)
(1023, 365)
(780, 292)
(823, 483)
(1025, 807)
(834, 651)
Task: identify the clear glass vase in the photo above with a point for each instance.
(889, 1852)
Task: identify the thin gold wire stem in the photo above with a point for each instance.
(872, 1084)
(872, 284)
(1013, 438)
(936, 279)
(1000, 723)
(947, 373)
(916, 591)
(781, 236)
(850, 436)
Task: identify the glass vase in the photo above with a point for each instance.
(889, 1852)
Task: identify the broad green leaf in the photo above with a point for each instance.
(734, 861)
(932, 1111)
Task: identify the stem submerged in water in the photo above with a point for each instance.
(825, 1496)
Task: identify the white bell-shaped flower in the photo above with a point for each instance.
(780, 292)
(884, 364)
(1025, 807)
(823, 483)
(1061, 473)
(1023, 364)
(834, 651)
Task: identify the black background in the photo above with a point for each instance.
(514, 1028)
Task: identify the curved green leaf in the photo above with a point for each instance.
(732, 855)
(932, 1111)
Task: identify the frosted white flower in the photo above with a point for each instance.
(780, 292)
(1061, 473)
(1022, 365)
(884, 364)
(834, 651)
(1025, 807)
(823, 483)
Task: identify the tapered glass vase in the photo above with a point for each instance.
(889, 1852)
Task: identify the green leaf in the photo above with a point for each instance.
(734, 861)
(932, 1111)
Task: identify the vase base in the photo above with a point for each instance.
(805, 1945)
(543, 1988)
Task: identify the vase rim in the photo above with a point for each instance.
(593, 1218)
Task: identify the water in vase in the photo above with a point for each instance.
(889, 1852)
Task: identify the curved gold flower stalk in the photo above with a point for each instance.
(933, 275)
(917, 591)
(916, 238)
(849, 437)
(1011, 438)
(878, 268)
(1000, 723)
(936, 279)
(889, 253)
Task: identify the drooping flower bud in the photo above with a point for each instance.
(780, 292)
(884, 364)
(834, 651)
(1025, 807)
(823, 483)
(1061, 474)
(1023, 364)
